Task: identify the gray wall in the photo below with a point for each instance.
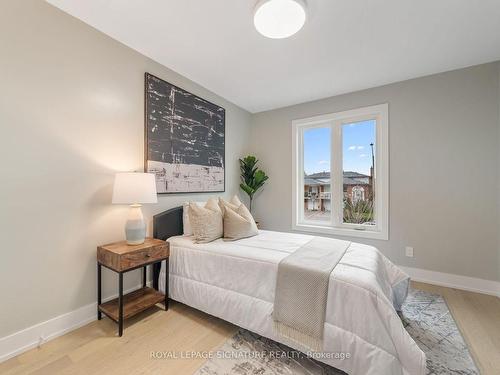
(71, 115)
(443, 132)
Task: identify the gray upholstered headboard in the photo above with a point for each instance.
(166, 225)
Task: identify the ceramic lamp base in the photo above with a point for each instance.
(135, 228)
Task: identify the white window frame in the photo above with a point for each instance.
(335, 226)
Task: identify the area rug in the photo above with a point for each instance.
(425, 316)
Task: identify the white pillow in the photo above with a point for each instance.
(185, 217)
(234, 203)
(206, 222)
(238, 223)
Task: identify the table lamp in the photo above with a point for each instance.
(135, 189)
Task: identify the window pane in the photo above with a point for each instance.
(317, 202)
(358, 147)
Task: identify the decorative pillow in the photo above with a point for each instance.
(206, 222)
(185, 217)
(235, 203)
(238, 223)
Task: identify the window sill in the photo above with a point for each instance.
(347, 232)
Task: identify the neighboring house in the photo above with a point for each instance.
(317, 194)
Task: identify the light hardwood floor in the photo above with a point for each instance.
(478, 318)
(94, 349)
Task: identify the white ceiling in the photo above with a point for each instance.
(345, 45)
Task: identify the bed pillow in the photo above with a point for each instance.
(185, 218)
(235, 203)
(206, 222)
(238, 223)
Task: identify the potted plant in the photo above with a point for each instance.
(252, 178)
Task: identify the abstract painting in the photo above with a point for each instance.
(184, 139)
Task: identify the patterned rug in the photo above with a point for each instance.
(425, 316)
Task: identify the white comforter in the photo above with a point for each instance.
(235, 281)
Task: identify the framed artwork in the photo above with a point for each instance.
(184, 139)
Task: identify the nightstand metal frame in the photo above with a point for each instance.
(155, 263)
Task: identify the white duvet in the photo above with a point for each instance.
(235, 281)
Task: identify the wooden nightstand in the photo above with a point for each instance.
(121, 258)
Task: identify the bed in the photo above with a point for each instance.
(235, 281)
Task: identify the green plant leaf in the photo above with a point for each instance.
(259, 179)
(247, 189)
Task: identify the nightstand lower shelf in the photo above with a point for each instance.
(133, 303)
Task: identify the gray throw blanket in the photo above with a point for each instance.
(302, 290)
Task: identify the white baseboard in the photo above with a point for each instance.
(40, 333)
(449, 280)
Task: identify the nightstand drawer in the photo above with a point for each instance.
(137, 258)
(121, 257)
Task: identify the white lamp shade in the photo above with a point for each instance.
(130, 188)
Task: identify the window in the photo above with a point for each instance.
(340, 173)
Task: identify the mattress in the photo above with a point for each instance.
(235, 281)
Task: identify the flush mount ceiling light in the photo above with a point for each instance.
(279, 19)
